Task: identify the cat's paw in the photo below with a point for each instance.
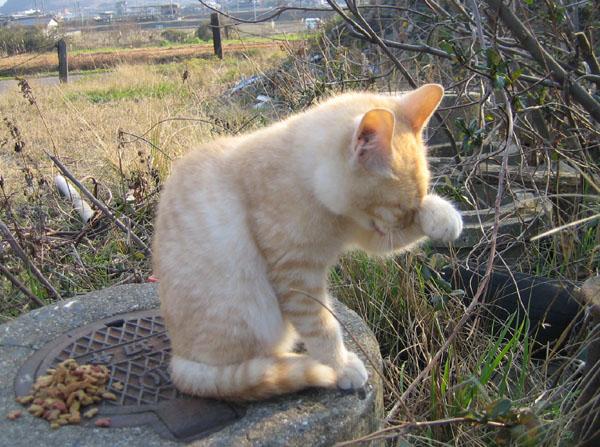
(439, 219)
(353, 375)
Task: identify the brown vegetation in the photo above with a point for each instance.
(24, 64)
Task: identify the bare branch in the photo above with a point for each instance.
(19, 285)
(8, 236)
(589, 56)
(105, 210)
(542, 57)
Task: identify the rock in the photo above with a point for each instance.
(590, 291)
(314, 417)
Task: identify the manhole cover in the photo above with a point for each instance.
(136, 349)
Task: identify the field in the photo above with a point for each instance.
(130, 45)
(104, 59)
(118, 132)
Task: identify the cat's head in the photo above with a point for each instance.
(387, 172)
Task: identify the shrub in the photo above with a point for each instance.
(24, 40)
(204, 31)
(173, 35)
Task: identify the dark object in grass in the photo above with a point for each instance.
(551, 305)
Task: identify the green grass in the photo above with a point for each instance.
(100, 96)
(292, 37)
(488, 374)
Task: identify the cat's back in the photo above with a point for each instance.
(195, 185)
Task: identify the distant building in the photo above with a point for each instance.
(47, 23)
(104, 17)
(158, 11)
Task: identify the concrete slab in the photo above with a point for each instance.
(310, 418)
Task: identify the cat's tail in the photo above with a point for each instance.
(257, 378)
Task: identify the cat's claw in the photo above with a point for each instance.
(354, 375)
(439, 219)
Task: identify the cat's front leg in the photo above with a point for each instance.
(438, 219)
(322, 335)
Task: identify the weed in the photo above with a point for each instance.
(158, 91)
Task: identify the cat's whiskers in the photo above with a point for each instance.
(391, 240)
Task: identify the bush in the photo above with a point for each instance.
(204, 31)
(24, 40)
(173, 35)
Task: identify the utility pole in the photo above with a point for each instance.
(63, 61)
(79, 11)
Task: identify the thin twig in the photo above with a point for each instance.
(105, 210)
(565, 226)
(393, 430)
(542, 57)
(30, 265)
(19, 285)
(484, 281)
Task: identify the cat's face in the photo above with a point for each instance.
(388, 162)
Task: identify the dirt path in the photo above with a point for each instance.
(47, 62)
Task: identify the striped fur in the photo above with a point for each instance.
(248, 226)
(257, 378)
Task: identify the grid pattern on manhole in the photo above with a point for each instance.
(137, 353)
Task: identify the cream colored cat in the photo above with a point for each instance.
(248, 226)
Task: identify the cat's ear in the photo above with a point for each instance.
(418, 105)
(372, 142)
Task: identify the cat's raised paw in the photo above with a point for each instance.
(354, 374)
(439, 219)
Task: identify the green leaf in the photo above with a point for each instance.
(493, 57)
(516, 74)
(445, 45)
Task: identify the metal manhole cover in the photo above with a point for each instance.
(136, 350)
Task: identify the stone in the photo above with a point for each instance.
(313, 417)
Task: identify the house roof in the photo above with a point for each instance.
(35, 21)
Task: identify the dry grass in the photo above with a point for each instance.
(117, 132)
(102, 59)
(84, 116)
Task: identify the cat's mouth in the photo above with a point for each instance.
(377, 228)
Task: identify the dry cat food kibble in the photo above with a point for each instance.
(16, 414)
(60, 395)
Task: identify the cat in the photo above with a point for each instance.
(247, 227)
